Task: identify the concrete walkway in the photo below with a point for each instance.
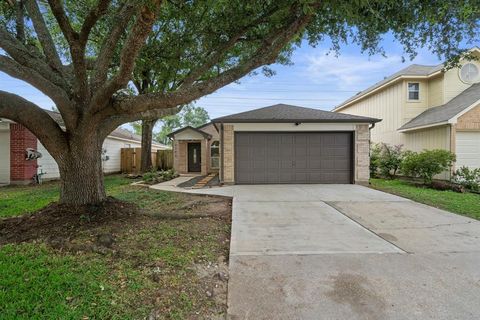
(348, 252)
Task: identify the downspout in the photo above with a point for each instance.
(222, 167)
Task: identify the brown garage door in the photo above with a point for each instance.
(312, 157)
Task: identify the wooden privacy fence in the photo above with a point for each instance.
(131, 159)
(164, 159)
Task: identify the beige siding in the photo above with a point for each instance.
(293, 127)
(387, 105)
(453, 85)
(435, 91)
(434, 138)
(4, 156)
(414, 108)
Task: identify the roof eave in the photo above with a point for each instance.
(437, 124)
(369, 120)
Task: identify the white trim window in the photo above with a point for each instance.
(215, 155)
(413, 91)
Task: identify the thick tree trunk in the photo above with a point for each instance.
(81, 173)
(147, 136)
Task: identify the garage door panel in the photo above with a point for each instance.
(267, 157)
(468, 149)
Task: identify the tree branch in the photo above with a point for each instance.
(19, 21)
(114, 121)
(44, 36)
(77, 51)
(134, 43)
(31, 116)
(264, 55)
(29, 58)
(16, 70)
(92, 18)
(120, 24)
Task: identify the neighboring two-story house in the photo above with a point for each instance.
(426, 107)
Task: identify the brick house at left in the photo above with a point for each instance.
(15, 139)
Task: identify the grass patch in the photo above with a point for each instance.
(157, 267)
(467, 204)
(35, 280)
(17, 200)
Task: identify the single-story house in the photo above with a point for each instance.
(426, 107)
(15, 139)
(278, 144)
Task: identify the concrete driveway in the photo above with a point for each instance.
(348, 252)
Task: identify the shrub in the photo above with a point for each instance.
(159, 176)
(469, 178)
(375, 151)
(426, 164)
(390, 159)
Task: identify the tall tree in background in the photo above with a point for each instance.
(219, 42)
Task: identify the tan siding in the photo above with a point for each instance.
(453, 85)
(414, 108)
(387, 105)
(435, 91)
(470, 120)
(434, 138)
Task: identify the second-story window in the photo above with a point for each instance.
(413, 91)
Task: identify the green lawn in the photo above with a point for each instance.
(467, 204)
(16, 200)
(152, 267)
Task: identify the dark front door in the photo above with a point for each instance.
(303, 157)
(194, 158)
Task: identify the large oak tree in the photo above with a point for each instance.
(219, 40)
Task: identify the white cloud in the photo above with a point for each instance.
(350, 70)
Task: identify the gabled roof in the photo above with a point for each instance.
(289, 113)
(414, 70)
(206, 135)
(442, 114)
(117, 133)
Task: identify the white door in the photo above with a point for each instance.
(4, 156)
(468, 149)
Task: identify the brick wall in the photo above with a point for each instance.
(362, 154)
(470, 120)
(21, 170)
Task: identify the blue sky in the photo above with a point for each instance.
(315, 80)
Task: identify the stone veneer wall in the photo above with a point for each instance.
(228, 154)
(362, 153)
(180, 156)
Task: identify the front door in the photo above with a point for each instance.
(194, 157)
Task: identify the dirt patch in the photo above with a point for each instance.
(58, 222)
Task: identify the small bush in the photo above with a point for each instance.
(389, 159)
(469, 178)
(426, 164)
(375, 151)
(159, 176)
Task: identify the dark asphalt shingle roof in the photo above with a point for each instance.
(412, 70)
(117, 133)
(289, 113)
(203, 133)
(447, 111)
